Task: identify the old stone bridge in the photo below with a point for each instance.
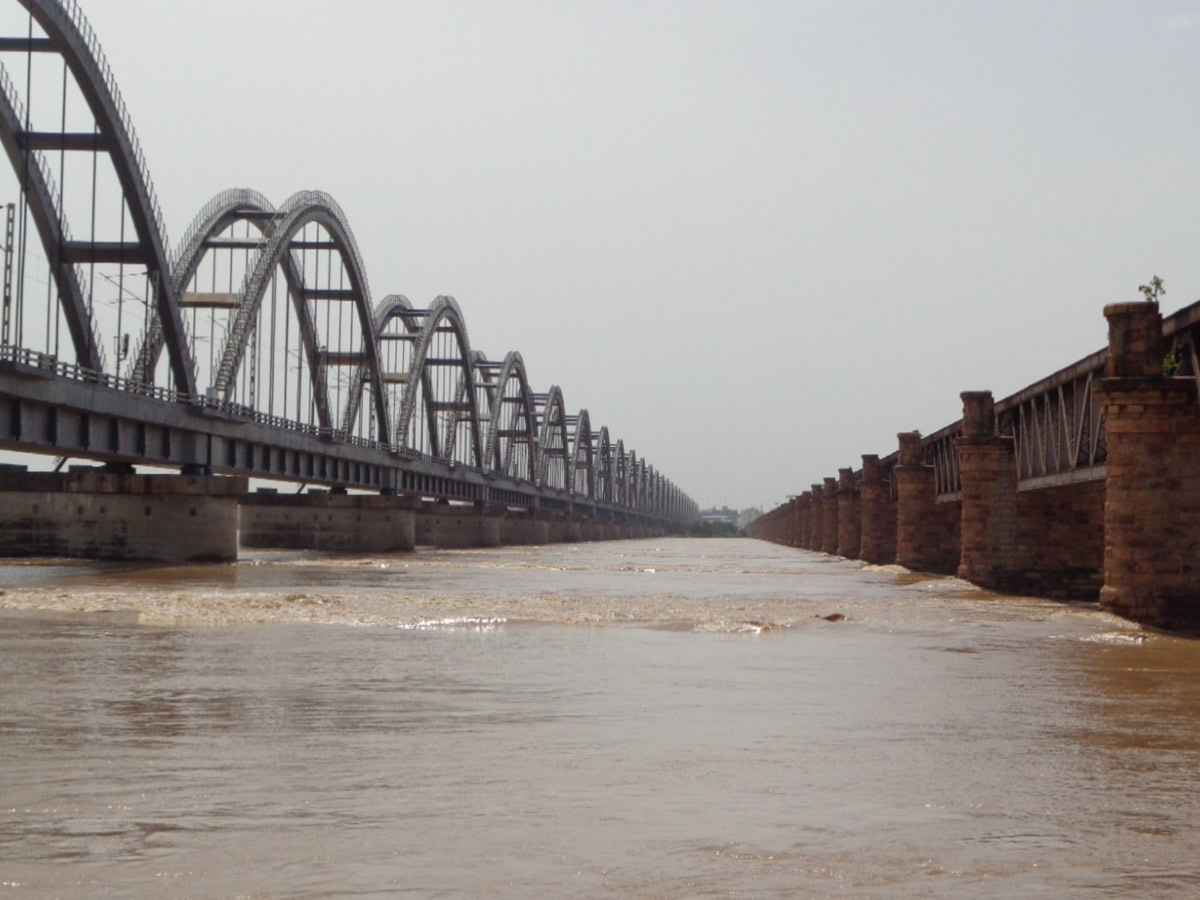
(1084, 485)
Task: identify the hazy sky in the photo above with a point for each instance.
(755, 239)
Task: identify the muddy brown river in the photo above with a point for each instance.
(669, 718)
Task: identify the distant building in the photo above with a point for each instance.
(722, 516)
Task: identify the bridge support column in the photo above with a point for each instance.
(816, 537)
(794, 516)
(93, 514)
(1152, 501)
(524, 528)
(926, 531)
(878, 514)
(442, 525)
(849, 515)
(804, 516)
(987, 465)
(829, 507)
(318, 520)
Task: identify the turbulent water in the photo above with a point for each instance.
(639, 719)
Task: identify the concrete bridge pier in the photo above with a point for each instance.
(444, 525)
(988, 468)
(849, 515)
(92, 513)
(572, 531)
(816, 537)
(878, 543)
(1152, 502)
(927, 532)
(329, 521)
(524, 528)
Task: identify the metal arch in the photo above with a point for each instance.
(478, 367)
(554, 404)
(513, 367)
(443, 309)
(621, 475)
(228, 207)
(604, 483)
(583, 445)
(214, 217)
(217, 214)
(72, 36)
(393, 306)
(303, 208)
(633, 485)
(38, 185)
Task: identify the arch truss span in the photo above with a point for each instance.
(438, 410)
(309, 255)
(120, 258)
(554, 440)
(510, 442)
(226, 221)
(604, 467)
(583, 473)
(620, 474)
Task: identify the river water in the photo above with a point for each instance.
(669, 718)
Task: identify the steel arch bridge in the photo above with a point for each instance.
(254, 346)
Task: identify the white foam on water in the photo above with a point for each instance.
(455, 623)
(1124, 638)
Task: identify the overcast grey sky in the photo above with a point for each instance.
(755, 239)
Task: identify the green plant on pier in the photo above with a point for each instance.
(1153, 290)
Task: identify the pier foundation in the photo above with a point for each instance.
(91, 513)
(319, 520)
